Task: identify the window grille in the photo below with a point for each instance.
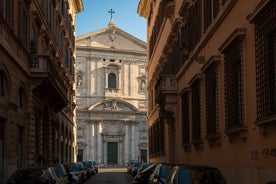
(233, 68)
(265, 39)
(211, 95)
(156, 139)
(185, 119)
(111, 81)
(196, 113)
(174, 63)
(194, 24)
(156, 28)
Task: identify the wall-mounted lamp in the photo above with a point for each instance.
(200, 60)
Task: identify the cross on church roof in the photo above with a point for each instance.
(111, 12)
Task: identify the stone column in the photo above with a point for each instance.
(125, 142)
(133, 142)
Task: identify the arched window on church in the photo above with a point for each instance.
(112, 81)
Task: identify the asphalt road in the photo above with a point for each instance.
(110, 176)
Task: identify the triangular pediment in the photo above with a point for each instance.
(111, 38)
(113, 105)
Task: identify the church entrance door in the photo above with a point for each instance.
(112, 153)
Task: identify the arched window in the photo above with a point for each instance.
(2, 91)
(20, 97)
(111, 80)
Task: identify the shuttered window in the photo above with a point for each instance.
(265, 44)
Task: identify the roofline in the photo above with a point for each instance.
(138, 41)
(121, 51)
(79, 6)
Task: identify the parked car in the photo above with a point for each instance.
(130, 164)
(89, 169)
(96, 165)
(195, 175)
(160, 174)
(134, 168)
(40, 175)
(61, 173)
(73, 173)
(142, 176)
(82, 171)
(142, 167)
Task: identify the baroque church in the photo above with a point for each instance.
(111, 96)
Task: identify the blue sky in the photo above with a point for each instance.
(95, 16)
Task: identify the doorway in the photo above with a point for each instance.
(112, 153)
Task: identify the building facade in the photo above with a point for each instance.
(37, 55)
(111, 96)
(212, 85)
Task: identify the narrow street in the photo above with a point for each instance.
(110, 175)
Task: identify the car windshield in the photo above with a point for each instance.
(163, 172)
(149, 168)
(74, 168)
(59, 171)
(145, 165)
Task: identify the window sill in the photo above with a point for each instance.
(187, 147)
(214, 140)
(267, 124)
(198, 144)
(236, 133)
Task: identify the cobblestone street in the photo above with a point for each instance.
(110, 175)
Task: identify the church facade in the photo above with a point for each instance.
(111, 97)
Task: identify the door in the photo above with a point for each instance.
(112, 153)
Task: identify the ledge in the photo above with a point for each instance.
(198, 144)
(236, 133)
(214, 140)
(187, 147)
(267, 124)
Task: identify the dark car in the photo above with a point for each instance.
(134, 168)
(94, 164)
(40, 175)
(130, 164)
(160, 174)
(142, 167)
(195, 175)
(142, 176)
(89, 169)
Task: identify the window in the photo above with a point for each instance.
(2, 82)
(194, 24)
(23, 23)
(156, 138)
(112, 81)
(196, 113)
(19, 146)
(265, 38)
(211, 99)
(233, 77)
(211, 8)
(6, 10)
(20, 97)
(185, 119)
